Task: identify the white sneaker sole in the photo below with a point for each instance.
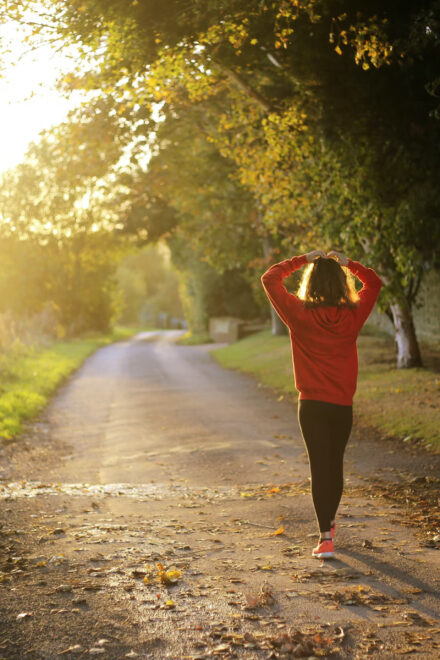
(323, 555)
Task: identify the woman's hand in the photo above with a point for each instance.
(339, 256)
(311, 256)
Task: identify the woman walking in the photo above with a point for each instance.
(324, 321)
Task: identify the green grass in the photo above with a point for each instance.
(29, 376)
(190, 339)
(396, 402)
(266, 357)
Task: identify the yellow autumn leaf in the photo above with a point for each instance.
(277, 532)
(169, 576)
(173, 574)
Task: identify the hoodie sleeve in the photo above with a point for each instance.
(369, 292)
(285, 304)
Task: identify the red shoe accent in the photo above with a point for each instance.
(324, 550)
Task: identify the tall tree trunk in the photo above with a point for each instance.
(408, 351)
(279, 329)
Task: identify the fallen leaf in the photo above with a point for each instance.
(167, 576)
(77, 648)
(279, 531)
(251, 601)
(221, 648)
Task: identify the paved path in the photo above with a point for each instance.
(154, 455)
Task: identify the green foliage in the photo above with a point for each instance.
(56, 243)
(191, 339)
(147, 286)
(205, 292)
(215, 233)
(58, 189)
(76, 277)
(318, 116)
(308, 89)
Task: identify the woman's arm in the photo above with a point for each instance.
(285, 304)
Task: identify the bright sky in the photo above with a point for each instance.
(29, 101)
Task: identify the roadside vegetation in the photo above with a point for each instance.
(30, 374)
(396, 402)
(192, 339)
(249, 138)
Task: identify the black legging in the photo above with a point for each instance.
(325, 428)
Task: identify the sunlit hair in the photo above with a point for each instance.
(327, 284)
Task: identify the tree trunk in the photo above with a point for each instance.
(408, 351)
(279, 329)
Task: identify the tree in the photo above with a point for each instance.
(211, 218)
(148, 285)
(326, 110)
(52, 218)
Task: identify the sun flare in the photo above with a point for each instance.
(29, 100)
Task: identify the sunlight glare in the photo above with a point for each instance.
(29, 101)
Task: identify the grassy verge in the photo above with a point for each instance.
(30, 375)
(190, 339)
(398, 402)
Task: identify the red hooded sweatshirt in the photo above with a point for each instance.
(324, 352)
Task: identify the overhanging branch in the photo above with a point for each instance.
(244, 86)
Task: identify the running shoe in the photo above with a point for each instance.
(324, 549)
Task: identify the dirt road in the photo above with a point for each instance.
(160, 508)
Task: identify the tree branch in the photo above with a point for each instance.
(418, 283)
(244, 86)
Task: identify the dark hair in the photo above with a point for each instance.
(325, 283)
